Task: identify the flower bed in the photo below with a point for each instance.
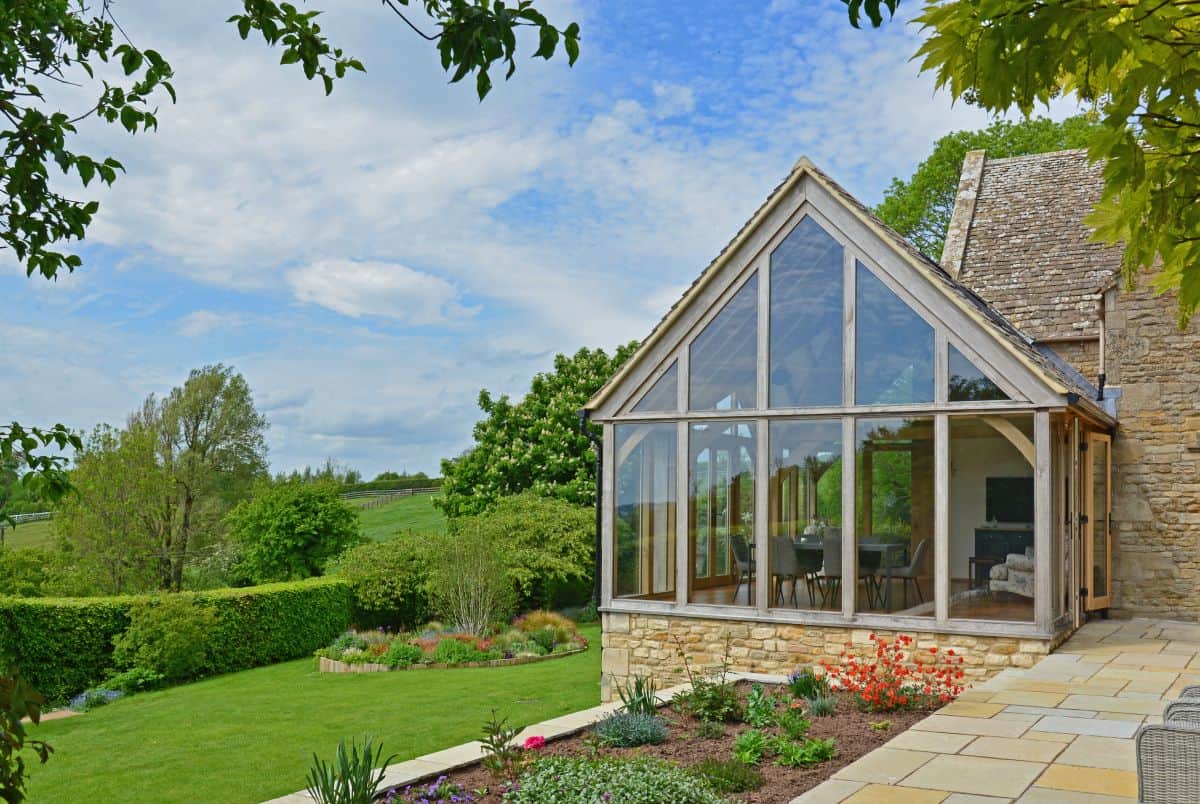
(717, 741)
(532, 637)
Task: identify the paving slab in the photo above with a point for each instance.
(977, 775)
(831, 791)
(1089, 780)
(1107, 703)
(967, 798)
(1100, 752)
(971, 709)
(883, 794)
(1013, 748)
(1022, 698)
(1096, 728)
(980, 727)
(935, 741)
(884, 765)
(1042, 711)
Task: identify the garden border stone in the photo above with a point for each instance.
(336, 666)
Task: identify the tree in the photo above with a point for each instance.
(1133, 63)
(290, 531)
(112, 520)
(920, 208)
(534, 444)
(49, 42)
(549, 546)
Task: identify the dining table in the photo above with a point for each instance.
(886, 550)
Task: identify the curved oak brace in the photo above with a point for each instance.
(1014, 435)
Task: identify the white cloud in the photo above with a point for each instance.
(673, 99)
(199, 323)
(389, 290)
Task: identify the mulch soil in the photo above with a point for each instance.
(849, 727)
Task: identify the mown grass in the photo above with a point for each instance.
(408, 513)
(250, 736)
(29, 534)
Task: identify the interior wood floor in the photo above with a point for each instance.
(997, 606)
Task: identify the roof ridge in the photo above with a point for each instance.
(1034, 157)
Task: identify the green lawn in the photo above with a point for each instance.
(29, 534)
(249, 736)
(408, 513)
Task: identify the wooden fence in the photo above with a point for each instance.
(350, 495)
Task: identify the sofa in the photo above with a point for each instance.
(1015, 575)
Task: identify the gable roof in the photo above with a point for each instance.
(1008, 336)
(1027, 249)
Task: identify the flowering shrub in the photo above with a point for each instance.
(534, 743)
(895, 678)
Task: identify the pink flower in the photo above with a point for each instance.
(534, 743)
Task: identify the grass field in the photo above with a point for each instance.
(30, 534)
(408, 513)
(250, 736)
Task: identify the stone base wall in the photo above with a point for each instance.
(645, 645)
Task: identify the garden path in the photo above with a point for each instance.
(1060, 732)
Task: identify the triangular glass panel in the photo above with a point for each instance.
(806, 319)
(968, 383)
(663, 395)
(723, 361)
(893, 346)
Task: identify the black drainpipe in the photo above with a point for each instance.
(597, 444)
(1100, 397)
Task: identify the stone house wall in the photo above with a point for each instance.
(645, 644)
(1156, 455)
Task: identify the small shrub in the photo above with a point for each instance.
(891, 680)
(882, 725)
(94, 699)
(637, 780)
(806, 684)
(454, 651)
(388, 579)
(760, 708)
(502, 757)
(793, 723)
(629, 730)
(749, 747)
(168, 635)
(135, 679)
(822, 706)
(810, 752)
(712, 699)
(533, 621)
(710, 730)
(347, 640)
(639, 695)
(352, 778)
(545, 638)
(729, 775)
(402, 654)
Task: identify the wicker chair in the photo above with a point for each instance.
(1192, 691)
(1168, 755)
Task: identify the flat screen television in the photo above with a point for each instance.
(1010, 499)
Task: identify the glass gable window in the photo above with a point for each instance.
(723, 361)
(893, 346)
(663, 395)
(644, 521)
(968, 383)
(805, 513)
(721, 513)
(806, 319)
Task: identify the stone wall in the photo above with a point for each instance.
(1156, 455)
(644, 644)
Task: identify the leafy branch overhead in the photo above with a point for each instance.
(1133, 63)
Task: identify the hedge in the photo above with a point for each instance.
(65, 645)
(392, 485)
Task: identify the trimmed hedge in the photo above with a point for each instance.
(65, 645)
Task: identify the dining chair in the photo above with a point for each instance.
(743, 563)
(784, 566)
(916, 569)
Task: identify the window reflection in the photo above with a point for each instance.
(721, 513)
(893, 346)
(723, 362)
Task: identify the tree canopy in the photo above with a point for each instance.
(1133, 63)
(534, 444)
(920, 207)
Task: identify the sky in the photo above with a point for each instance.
(370, 260)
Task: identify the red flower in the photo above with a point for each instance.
(534, 743)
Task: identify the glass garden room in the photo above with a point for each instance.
(826, 431)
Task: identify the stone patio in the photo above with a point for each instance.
(1060, 732)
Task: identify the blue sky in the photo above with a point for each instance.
(370, 260)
